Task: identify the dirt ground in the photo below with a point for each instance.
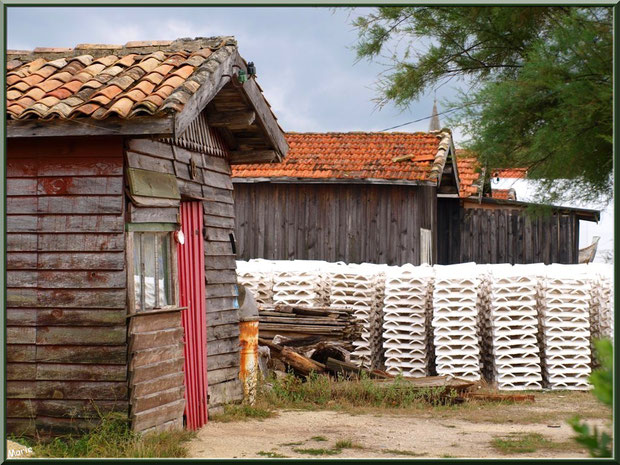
(460, 431)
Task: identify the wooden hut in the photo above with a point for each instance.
(353, 197)
(121, 283)
(488, 225)
(390, 198)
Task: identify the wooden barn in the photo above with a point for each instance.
(121, 282)
(389, 198)
(352, 197)
(489, 225)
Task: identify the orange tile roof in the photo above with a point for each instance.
(469, 173)
(356, 155)
(505, 194)
(511, 173)
(96, 81)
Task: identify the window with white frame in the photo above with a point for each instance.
(153, 268)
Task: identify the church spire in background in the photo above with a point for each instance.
(435, 126)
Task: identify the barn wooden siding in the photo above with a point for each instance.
(353, 223)
(505, 235)
(206, 177)
(156, 371)
(66, 298)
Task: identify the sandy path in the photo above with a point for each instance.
(429, 437)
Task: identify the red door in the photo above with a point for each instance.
(192, 296)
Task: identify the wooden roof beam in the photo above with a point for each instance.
(113, 126)
(234, 120)
(240, 157)
(266, 119)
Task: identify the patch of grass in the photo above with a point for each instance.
(319, 438)
(272, 455)
(243, 412)
(321, 391)
(522, 443)
(347, 444)
(113, 438)
(409, 453)
(298, 443)
(318, 451)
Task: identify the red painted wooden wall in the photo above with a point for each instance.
(192, 295)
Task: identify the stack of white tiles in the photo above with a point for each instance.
(406, 308)
(514, 328)
(565, 327)
(257, 276)
(455, 311)
(354, 287)
(602, 309)
(296, 283)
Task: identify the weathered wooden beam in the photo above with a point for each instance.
(265, 116)
(159, 126)
(231, 119)
(209, 89)
(238, 157)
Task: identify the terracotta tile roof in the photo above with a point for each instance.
(511, 173)
(505, 194)
(96, 81)
(357, 155)
(469, 173)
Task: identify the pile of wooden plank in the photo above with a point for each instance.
(297, 322)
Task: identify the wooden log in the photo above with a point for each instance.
(297, 362)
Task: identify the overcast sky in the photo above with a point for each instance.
(303, 56)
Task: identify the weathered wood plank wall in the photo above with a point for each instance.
(66, 297)
(353, 223)
(156, 371)
(205, 177)
(504, 235)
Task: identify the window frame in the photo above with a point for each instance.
(131, 243)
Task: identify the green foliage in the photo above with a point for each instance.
(603, 378)
(113, 438)
(539, 84)
(598, 442)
